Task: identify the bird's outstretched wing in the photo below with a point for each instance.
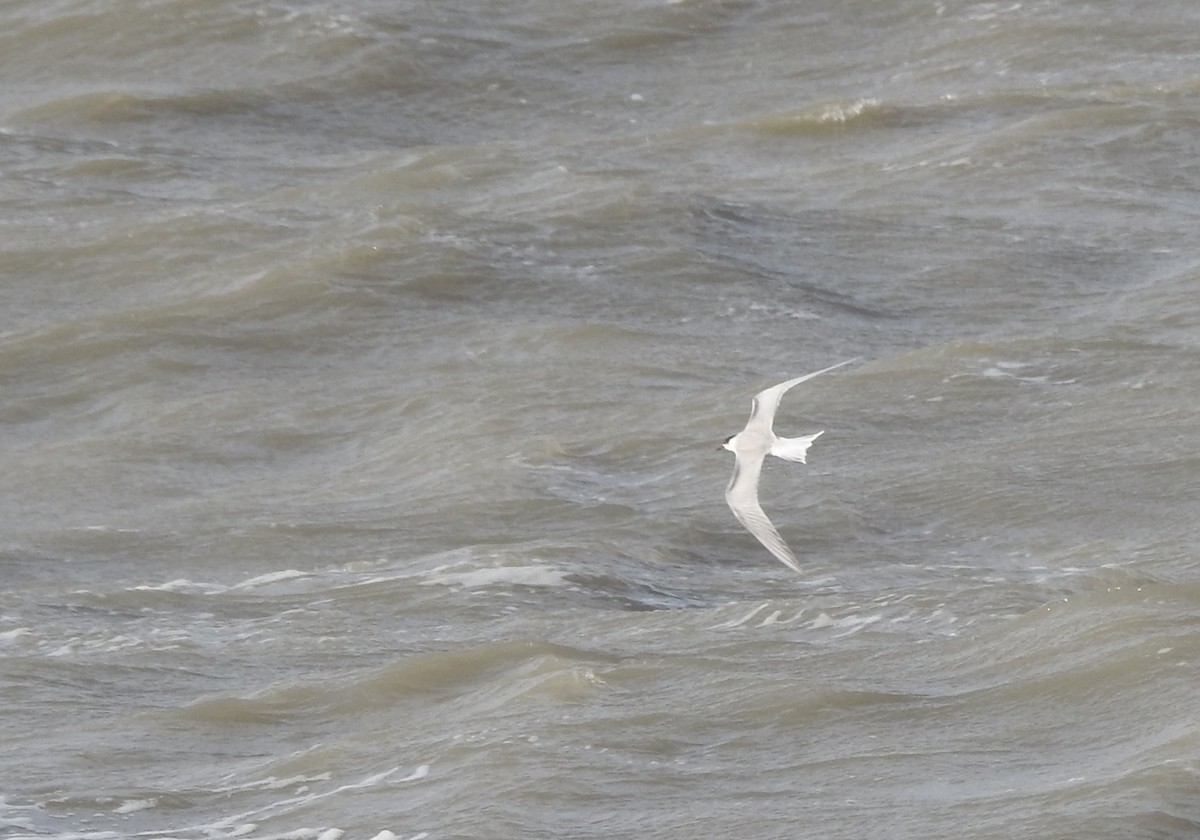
(742, 497)
(767, 401)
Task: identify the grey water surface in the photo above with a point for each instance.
(363, 367)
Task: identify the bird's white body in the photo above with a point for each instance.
(751, 445)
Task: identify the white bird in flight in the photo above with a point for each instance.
(751, 445)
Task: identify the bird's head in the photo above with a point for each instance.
(728, 444)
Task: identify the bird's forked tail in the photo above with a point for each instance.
(794, 449)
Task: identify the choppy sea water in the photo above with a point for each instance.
(364, 367)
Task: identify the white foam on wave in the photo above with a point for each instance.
(191, 587)
(853, 621)
(184, 586)
(19, 822)
(738, 622)
(840, 112)
(369, 573)
(851, 624)
(270, 578)
(512, 575)
(330, 834)
(273, 783)
(247, 823)
(307, 797)
(17, 637)
(9, 818)
(105, 644)
(130, 806)
(1001, 369)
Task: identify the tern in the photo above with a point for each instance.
(751, 445)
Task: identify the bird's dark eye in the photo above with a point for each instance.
(731, 437)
